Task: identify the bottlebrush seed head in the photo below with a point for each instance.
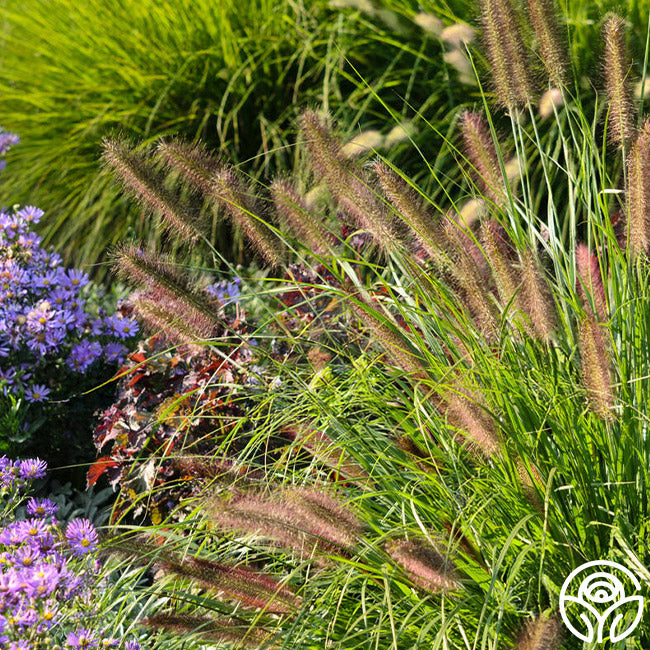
(323, 448)
(482, 155)
(194, 161)
(589, 282)
(248, 586)
(138, 177)
(241, 205)
(324, 150)
(281, 524)
(422, 457)
(506, 53)
(467, 278)
(638, 192)
(425, 566)
(216, 630)
(408, 204)
(330, 518)
(170, 318)
(616, 68)
(224, 471)
(542, 633)
(251, 588)
(299, 520)
(550, 41)
(396, 346)
(536, 298)
(347, 183)
(500, 254)
(293, 209)
(160, 279)
(596, 367)
(464, 411)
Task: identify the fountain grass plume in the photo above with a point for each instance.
(482, 155)
(464, 411)
(466, 276)
(325, 451)
(215, 630)
(501, 256)
(638, 192)
(293, 209)
(161, 280)
(427, 568)
(589, 282)
(507, 54)
(551, 43)
(542, 633)
(423, 458)
(596, 366)
(410, 207)
(138, 176)
(336, 518)
(616, 69)
(536, 298)
(348, 184)
(197, 163)
(293, 518)
(397, 347)
(242, 206)
(161, 313)
(223, 471)
(249, 587)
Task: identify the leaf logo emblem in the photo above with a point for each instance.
(601, 602)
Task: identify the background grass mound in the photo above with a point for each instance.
(228, 73)
(231, 74)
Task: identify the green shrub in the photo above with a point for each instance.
(228, 73)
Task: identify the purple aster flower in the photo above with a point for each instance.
(84, 354)
(37, 319)
(47, 542)
(33, 529)
(12, 534)
(26, 616)
(30, 214)
(97, 327)
(23, 644)
(123, 328)
(9, 471)
(132, 645)
(32, 468)
(47, 280)
(42, 581)
(7, 140)
(115, 352)
(41, 507)
(227, 292)
(36, 393)
(49, 611)
(81, 639)
(74, 278)
(82, 536)
(26, 556)
(8, 376)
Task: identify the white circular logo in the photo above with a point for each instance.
(599, 601)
